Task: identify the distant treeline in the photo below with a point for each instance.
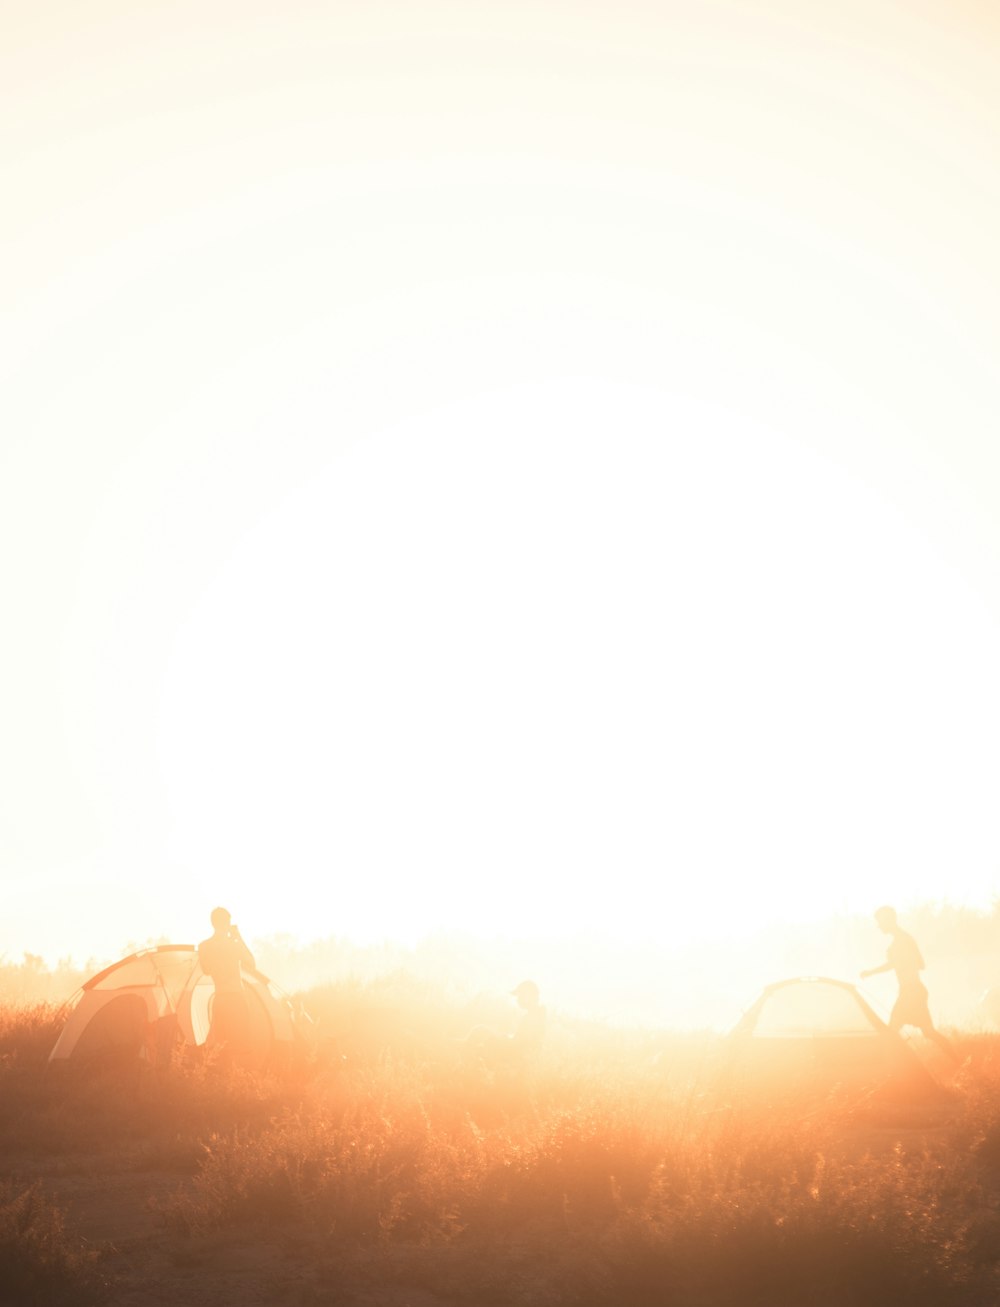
(31, 981)
(702, 985)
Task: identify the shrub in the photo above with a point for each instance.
(617, 1169)
(39, 1264)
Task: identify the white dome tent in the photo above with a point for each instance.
(142, 1004)
(814, 1027)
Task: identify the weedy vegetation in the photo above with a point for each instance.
(619, 1168)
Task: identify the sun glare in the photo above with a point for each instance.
(529, 474)
(500, 570)
(578, 657)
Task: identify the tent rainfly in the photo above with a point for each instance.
(142, 1004)
(816, 1027)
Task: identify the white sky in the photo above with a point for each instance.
(516, 467)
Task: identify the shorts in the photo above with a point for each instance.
(911, 1009)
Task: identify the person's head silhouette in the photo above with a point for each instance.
(527, 994)
(221, 919)
(886, 919)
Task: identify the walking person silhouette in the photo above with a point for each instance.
(911, 1007)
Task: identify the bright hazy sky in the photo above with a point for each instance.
(518, 467)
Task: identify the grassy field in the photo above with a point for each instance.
(386, 1166)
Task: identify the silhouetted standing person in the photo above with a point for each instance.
(223, 957)
(903, 956)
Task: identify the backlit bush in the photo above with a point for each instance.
(618, 1169)
(39, 1263)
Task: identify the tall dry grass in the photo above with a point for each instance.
(39, 1263)
(619, 1168)
(628, 1198)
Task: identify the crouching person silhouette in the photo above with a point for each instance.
(519, 1048)
(223, 957)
